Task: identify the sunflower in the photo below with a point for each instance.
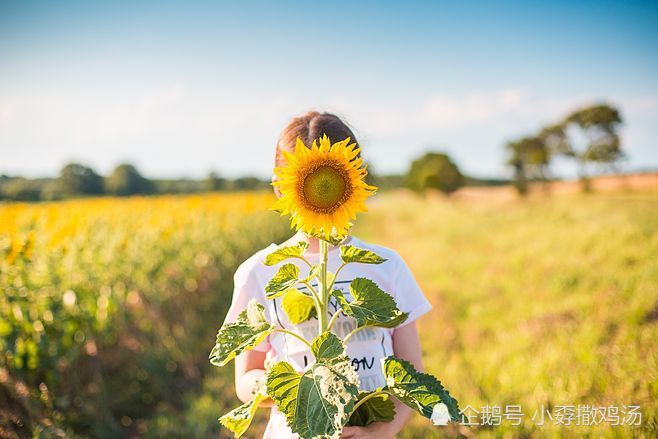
(322, 187)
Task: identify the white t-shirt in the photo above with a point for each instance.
(366, 348)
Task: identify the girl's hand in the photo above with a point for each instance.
(376, 430)
(405, 345)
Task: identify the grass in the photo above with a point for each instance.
(539, 303)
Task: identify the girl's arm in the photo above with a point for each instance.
(249, 369)
(406, 345)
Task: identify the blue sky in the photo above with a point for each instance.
(183, 88)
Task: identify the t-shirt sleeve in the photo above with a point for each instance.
(246, 287)
(408, 295)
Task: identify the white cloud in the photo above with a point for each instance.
(182, 129)
(470, 109)
(474, 126)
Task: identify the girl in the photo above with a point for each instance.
(367, 347)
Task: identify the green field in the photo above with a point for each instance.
(546, 302)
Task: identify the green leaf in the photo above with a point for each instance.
(298, 306)
(283, 253)
(286, 277)
(332, 238)
(239, 419)
(418, 390)
(399, 319)
(283, 387)
(249, 329)
(379, 408)
(327, 346)
(318, 402)
(370, 305)
(349, 253)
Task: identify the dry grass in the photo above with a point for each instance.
(546, 301)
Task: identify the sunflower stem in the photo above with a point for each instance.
(333, 319)
(354, 331)
(297, 336)
(312, 290)
(367, 397)
(333, 281)
(323, 286)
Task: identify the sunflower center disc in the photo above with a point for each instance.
(324, 187)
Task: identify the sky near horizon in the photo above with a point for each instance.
(184, 88)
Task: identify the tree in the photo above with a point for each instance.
(20, 189)
(249, 183)
(555, 139)
(213, 182)
(126, 180)
(517, 162)
(51, 190)
(530, 158)
(434, 170)
(76, 179)
(599, 125)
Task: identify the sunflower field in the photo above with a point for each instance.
(109, 308)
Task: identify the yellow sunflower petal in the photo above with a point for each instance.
(323, 187)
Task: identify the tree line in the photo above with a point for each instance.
(587, 135)
(77, 180)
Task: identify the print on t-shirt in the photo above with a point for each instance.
(365, 348)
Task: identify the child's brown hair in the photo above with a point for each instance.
(310, 127)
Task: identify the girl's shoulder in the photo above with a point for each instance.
(257, 260)
(254, 263)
